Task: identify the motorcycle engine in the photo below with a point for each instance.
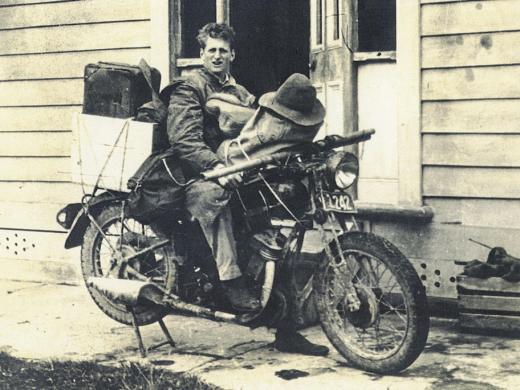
(259, 204)
(197, 287)
(263, 246)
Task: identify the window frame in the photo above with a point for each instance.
(333, 20)
(175, 12)
(365, 56)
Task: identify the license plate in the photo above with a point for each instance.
(337, 201)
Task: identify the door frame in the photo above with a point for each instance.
(165, 34)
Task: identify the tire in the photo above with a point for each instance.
(95, 261)
(389, 330)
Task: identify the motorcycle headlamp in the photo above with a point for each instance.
(342, 169)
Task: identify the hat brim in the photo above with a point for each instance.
(311, 118)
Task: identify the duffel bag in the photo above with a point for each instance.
(157, 189)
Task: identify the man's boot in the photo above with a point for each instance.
(289, 340)
(239, 296)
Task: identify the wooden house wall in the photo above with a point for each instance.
(471, 109)
(44, 46)
(470, 127)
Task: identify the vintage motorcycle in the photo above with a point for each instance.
(368, 298)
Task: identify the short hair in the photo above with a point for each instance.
(216, 30)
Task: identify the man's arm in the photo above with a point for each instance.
(185, 127)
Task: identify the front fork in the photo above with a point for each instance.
(322, 218)
(292, 253)
(352, 300)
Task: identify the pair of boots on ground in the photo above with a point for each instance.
(287, 339)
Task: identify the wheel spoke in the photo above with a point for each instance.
(373, 334)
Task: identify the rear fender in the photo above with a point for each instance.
(81, 222)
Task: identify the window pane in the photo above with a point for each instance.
(376, 25)
(319, 22)
(195, 14)
(335, 34)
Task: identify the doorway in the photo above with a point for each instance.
(272, 42)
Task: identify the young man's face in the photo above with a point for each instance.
(217, 56)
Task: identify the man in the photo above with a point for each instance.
(195, 136)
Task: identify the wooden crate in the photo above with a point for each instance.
(111, 143)
(491, 304)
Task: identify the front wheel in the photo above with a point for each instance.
(114, 236)
(389, 330)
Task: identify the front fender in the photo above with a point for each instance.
(81, 222)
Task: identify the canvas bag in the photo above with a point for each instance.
(264, 134)
(157, 189)
(231, 113)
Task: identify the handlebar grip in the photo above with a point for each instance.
(335, 141)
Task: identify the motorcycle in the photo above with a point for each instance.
(369, 300)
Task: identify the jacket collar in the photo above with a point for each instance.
(228, 80)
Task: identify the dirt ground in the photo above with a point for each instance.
(45, 321)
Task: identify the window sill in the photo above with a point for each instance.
(394, 213)
(188, 62)
(362, 56)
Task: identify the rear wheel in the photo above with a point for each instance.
(389, 330)
(119, 235)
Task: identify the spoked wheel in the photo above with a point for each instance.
(389, 329)
(114, 238)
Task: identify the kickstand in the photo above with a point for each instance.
(142, 348)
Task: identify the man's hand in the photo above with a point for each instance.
(230, 181)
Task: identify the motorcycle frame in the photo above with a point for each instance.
(289, 259)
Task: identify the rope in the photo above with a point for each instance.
(82, 182)
(125, 127)
(173, 177)
(123, 162)
(271, 189)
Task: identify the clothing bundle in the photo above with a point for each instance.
(499, 264)
(290, 116)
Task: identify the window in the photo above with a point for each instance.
(376, 25)
(335, 19)
(317, 22)
(333, 12)
(194, 15)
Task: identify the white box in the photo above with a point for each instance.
(108, 151)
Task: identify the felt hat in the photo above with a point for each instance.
(295, 100)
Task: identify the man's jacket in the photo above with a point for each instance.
(192, 131)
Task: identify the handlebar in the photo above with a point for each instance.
(254, 163)
(335, 141)
(328, 143)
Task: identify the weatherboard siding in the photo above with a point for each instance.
(470, 106)
(44, 47)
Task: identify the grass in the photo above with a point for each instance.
(27, 374)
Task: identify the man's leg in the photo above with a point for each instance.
(221, 240)
(287, 339)
(208, 203)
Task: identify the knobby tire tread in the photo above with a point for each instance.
(403, 270)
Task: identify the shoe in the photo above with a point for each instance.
(294, 342)
(239, 296)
